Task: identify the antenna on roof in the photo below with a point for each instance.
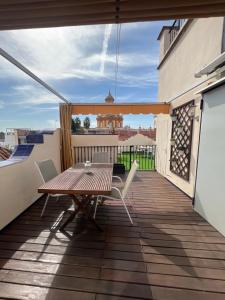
(32, 75)
(118, 32)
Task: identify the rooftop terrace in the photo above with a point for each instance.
(169, 253)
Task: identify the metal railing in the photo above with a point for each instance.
(175, 29)
(145, 155)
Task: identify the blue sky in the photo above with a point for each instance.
(79, 63)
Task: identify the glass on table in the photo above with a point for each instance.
(87, 167)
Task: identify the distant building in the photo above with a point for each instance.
(125, 134)
(109, 120)
(16, 136)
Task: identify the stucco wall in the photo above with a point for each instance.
(199, 44)
(19, 181)
(163, 135)
(109, 140)
(94, 140)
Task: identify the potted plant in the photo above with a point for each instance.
(173, 117)
(172, 141)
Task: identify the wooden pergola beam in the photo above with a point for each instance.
(120, 108)
(16, 14)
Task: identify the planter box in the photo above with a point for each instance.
(118, 169)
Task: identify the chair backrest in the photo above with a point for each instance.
(46, 169)
(101, 157)
(130, 178)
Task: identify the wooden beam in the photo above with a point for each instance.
(104, 12)
(121, 108)
(16, 14)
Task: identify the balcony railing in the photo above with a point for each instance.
(145, 155)
(175, 29)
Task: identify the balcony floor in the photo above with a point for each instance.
(171, 252)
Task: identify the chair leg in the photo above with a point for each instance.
(44, 207)
(96, 204)
(124, 204)
(129, 201)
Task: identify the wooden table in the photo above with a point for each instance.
(76, 182)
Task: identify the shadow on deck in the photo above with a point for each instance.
(170, 252)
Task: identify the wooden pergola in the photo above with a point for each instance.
(17, 14)
(67, 110)
(119, 108)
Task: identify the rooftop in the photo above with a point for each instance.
(169, 253)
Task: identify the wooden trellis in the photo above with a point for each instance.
(181, 140)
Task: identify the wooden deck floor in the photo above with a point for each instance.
(171, 252)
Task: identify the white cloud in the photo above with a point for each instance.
(2, 104)
(23, 88)
(51, 53)
(53, 124)
(107, 33)
(59, 54)
(68, 52)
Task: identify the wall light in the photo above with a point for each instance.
(172, 142)
(191, 111)
(173, 117)
(173, 163)
(180, 129)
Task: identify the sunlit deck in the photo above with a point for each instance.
(170, 253)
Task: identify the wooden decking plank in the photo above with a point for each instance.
(51, 258)
(52, 249)
(170, 252)
(76, 284)
(50, 268)
(27, 292)
(186, 271)
(200, 284)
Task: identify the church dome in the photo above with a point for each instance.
(109, 98)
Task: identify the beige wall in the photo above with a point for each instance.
(19, 181)
(199, 44)
(163, 135)
(94, 140)
(109, 140)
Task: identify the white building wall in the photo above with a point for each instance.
(200, 43)
(210, 186)
(94, 140)
(19, 181)
(109, 140)
(163, 135)
(11, 139)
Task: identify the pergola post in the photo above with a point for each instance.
(65, 136)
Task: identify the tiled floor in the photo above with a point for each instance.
(170, 253)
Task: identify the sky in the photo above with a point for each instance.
(78, 62)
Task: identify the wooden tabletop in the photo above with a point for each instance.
(75, 181)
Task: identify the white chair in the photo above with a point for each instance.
(104, 157)
(101, 157)
(47, 172)
(118, 194)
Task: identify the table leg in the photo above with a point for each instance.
(81, 206)
(71, 217)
